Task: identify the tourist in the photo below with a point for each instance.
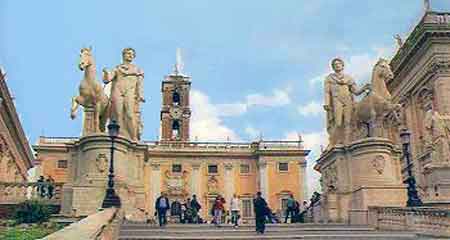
(303, 210)
(50, 184)
(175, 209)
(261, 210)
(218, 210)
(161, 206)
(195, 209)
(290, 210)
(40, 186)
(235, 209)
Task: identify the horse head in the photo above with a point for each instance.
(86, 59)
(383, 70)
(381, 74)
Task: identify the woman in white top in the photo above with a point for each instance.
(235, 208)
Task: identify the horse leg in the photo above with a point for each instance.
(372, 123)
(76, 101)
(103, 114)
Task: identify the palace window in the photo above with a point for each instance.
(245, 169)
(176, 168)
(283, 167)
(62, 163)
(247, 208)
(213, 169)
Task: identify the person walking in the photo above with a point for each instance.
(175, 210)
(261, 209)
(235, 209)
(195, 208)
(218, 210)
(290, 210)
(41, 187)
(161, 206)
(50, 183)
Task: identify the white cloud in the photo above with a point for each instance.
(279, 97)
(312, 141)
(313, 108)
(253, 133)
(206, 124)
(317, 79)
(231, 109)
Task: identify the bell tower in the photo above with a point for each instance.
(175, 109)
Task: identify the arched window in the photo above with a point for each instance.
(176, 98)
(176, 129)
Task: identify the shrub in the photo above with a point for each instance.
(32, 211)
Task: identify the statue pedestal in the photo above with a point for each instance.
(90, 158)
(356, 176)
(439, 192)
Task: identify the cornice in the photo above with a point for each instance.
(427, 29)
(17, 133)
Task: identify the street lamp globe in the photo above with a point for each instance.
(113, 129)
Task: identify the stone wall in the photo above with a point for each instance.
(103, 225)
(425, 221)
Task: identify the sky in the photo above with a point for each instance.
(257, 67)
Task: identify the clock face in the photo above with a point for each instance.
(175, 112)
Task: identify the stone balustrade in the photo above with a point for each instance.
(423, 220)
(102, 225)
(57, 140)
(16, 192)
(227, 146)
(198, 146)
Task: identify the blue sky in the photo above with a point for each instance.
(256, 66)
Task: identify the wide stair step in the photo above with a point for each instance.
(136, 231)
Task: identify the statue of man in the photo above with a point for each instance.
(126, 94)
(339, 91)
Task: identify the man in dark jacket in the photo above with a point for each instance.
(162, 205)
(195, 207)
(260, 207)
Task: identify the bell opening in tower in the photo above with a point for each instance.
(176, 130)
(176, 98)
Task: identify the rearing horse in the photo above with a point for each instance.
(91, 91)
(377, 105)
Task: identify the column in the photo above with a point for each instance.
(303, 181)
(263, 179)
(195, 180)
(155, 184)
(229, 183)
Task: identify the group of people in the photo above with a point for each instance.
(188, 212)
(46, 187)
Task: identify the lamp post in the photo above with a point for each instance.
(413, 197)
(111, 199)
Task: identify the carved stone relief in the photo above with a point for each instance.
(378, 163)
(213, 185)
(330, 179)
(101, 162)
(176, 183)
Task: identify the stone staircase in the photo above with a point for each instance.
(139, 231)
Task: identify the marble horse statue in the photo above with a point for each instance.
(91, 94)
(373, 110)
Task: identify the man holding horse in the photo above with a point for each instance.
(126, 93)
(339, 91)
